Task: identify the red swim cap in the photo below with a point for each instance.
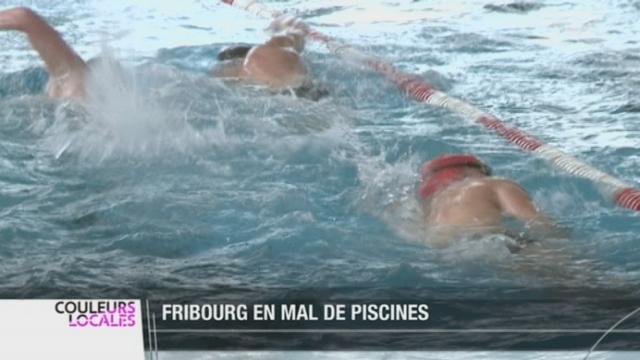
(440, 172)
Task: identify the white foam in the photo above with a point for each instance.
(130, 113)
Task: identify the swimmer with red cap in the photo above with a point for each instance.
(459, 195)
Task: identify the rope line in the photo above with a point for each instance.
(616, 190)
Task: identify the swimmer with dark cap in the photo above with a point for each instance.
(276, 64)
(460, 196)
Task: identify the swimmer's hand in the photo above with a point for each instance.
(516, 203)
(288, 31)
(535, 232)
(287, 24)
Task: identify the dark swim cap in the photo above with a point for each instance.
(234, 52)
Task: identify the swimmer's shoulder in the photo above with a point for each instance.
(502, 182)
(488, 184)
(507, 187)
(481, 182)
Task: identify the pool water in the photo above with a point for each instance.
(168, 177)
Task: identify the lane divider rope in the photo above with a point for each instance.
(618, 191)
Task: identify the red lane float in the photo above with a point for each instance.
(628, 198)
(614, 189)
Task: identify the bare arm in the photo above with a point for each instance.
(288, 32)
(293, 40)
(553, 261)
(515, 202)
(58, 56)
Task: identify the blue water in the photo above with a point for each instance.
(177, 178)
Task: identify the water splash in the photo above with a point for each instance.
(134, 113)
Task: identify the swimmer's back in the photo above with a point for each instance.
(275, 66)
(470, 202)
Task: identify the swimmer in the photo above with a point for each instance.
(460, 197)
(276, 64)
(67, 71)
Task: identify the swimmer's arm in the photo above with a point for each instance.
(58, 56)
(292, 33)
(293, 40)
(516, 203)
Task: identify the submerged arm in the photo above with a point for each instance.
(553, 261)
(516, 203)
